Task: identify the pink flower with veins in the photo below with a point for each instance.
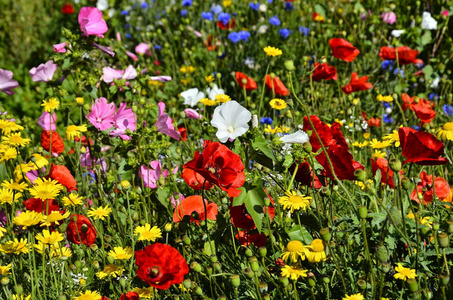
(43, 72)
(112, 74)
(6, 82)
(125, 119)
(91, 22)
(47, 121)
(151, 175)
(60, 48)
(142, 48)
(102, 114)
(164, 124)
(192, 114)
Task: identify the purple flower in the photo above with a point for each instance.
(102, 114)
(304, 30)
(164, 124)
(91, 22)
(44, 72)
(60, 48)
(224, 18)
(207, 15)
(6, 82)
(161, 78)
(151, 175)
(47, 121)
(124, 119)
(274, 21)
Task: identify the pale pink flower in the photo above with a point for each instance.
(112, 74)
(151, 175)
(6, 82)
(102, 114)
(142, 48)
(388, 17)
(44, 72)
(161, 78)
(192, 114)
(132, 55)
(91, 22)
(164, 124)
(125, 119)
(47, 121)
(60, 48)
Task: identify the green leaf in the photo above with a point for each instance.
(320, 10)
(66, 64)
(253, 198)
(300, 233)
(209, 248)
(428, 70)
(288, 161)
(377, 218)
(261, 144)
(426, 38)
(162, 196)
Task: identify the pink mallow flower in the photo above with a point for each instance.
(142, 48)
(107, 50)
(151, 175)
(125, 119)
(112, 74)
(132, 55)
(47, 121)
(60, 48)
(192, 113)
(388, 17)
(6, 82)
(91, 22)
(44, 72)
(164, 124)
(102, 114)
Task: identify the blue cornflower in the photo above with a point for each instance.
(284, 32)
(234, 37)
(266, 120)
(274, 21)
(128, 35)
(416, 127)
(387, 64)
(90, 174)
(127, 26)
(397, 70)
(448, 109)
(216, 9)
(244, 35)
(387, 119)
(186, 2)
(386, 104)
(124, 12)
(144, 5)
(224, 18)
(184, 13)
(304, 30)
(433, 96)
(254, 6)
(270, 1)
(157, 47)
(207, 15)
(288, 6)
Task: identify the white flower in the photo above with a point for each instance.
(263, 7)
(435, 83)
(262, 29)
(102, 5)
(191, 96)
(214, 91)
(299, 137)
(428, 22)
(397, 33)
(231, 120)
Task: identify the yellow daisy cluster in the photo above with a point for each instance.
(146, 233)
(381, 98)
(208, 102)
(110, 271)
(11, 140)
(45, 189)
(404, 273)
(100, 212)
(277, 129)
(187, 69)
(15, 247)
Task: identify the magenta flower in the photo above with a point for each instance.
(132, 55)
(44, 72)
(91, 22)
(151, 175)
(6, 82)
(107, 50)
(388, 17)
(60, 48)
(125, 119)
(112, 74)
(164, 124)
(142, 48)
(47, 121)
(161, 78)
(102, 114)
(192, 114)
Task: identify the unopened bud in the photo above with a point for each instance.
(235, 280)
(4, 281)
(406, 183)
(413, 284)
(263, 287)
(196, 267)
(395, 164)
(325, 234)
(450, 226)
(187, 283)
(360, 175)
(248, 252)
(307, 147)
(362, 284)
(248, 272)
(381, 253)
(363, 211)
(289, 65)
(263, 251)
(443, 239)
(444, 279)
(284, 281)
(254, 263)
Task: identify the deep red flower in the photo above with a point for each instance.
(329, 135)
(37, 205)
(324, 71)
(195, 180)
(357, 84)
(305, 175)
(161, 265)
(193, 204)
(182, 132)
(421, 148)
(424, 113)
(230, 25)
(249, 85)
(277, 85)
(343, 49)
(342, 161)
(220, 166)
(130, 296)
(405, 55)
(425, 188)
(63, 176)
(104, 298)
(407, 101)
(374, 122)
(83, 141)
(80, 230)
(67, 9)
(381, 164)
(57, 142)
(246, 238)
(241, 218)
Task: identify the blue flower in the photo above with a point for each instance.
(270, 1)
(216, 9)
(397, 70)
(387, 64)
(124, 12)
(304, 30)
(288, 6)
(144, 5)
(186, 2)
(274, 21)
(184, 13)
(128, 35)
(433, 96)
(448, 109)
(387, 119)
(127, 26)
(387, 105)
(224, 18)
(416, 127)
(244, 35)
(254, 6)
(284, 32)
(266, 120)
(234, 37)
(157, 47)
(207, 15)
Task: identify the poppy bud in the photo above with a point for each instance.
(235, 280)
(187, 283)
(311, 282)
(325, 234)
(436, 225)
(198, 291)
(413, 284)
(209, 271)
(263, 251)
(254, 263)
(360, 175)
(266, 296)
(218, 266)
(444, 241)
(326, 279)
(395, 164)
(386, 267)
(284, 281)
(196, 267)
(123, 282)
(186, 240)
(450, 226)
(213, 258)
(244, 81)
(363, 211)
(19, 289)
(307, 147)
(248, 252)
(5, 281)
(325, 191)
(289, 65)
(444, 279)
(94, 247)
(362, 284)
(381, 253)
(425, 230)
(263, 287)
(406, 183)
(248, 272)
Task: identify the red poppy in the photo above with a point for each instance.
(407, 101)
(63, 176)
(246, 238)
(67, 9)
(83, 141)
(80, 230)
(381, 164)
(405, 55)
(104, 298)
(277, 85)
(305, 175)
(161, 265)
(37, 205)
(421, 148)
(342, 161)
(324, 71)
(210, 44)
(241, 218)
(425, 188)
(329, 135)
(57, 142)
(182, 132)
(249, 84)
(357, 84)
(220, 166)
(343, 49)
(193, 204)
(374, 122)
(130, 296)
(424, 113)
(195, 180)
(230, 25)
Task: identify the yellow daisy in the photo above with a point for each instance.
(28, 218)
(269, 129)
(2, 232)
(5, 270)
(147, 293)
(121, 253)
(21, 297)
(294, 250)
(381, 98)
(13, 185)
(54, 217)
(48, 238)
(45, 189)
(72, 199)
(146, 233)
(272, 51)
(278, 104)
(39, 160)
(294, 201)
(8, 154)
(8, 126)
(110, 270)
(375, 144)
(446, 132)
(222, 98)
(209, 78)
(88, 295)
(75, 131)
(316, 253)
(60, 252)
(404, 273)
(100, 212)
(393, 138)
(353, 297)
(15, 140)
(293, 272)
(208, 102)
(50, 104)
(9, 196)
(14, 247)
(378, 153)
(360, 144)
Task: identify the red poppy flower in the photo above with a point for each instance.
(421, 148)
(425, 188)
(357, 84)
(130, 296)
(220, 166)
(63, 176)
(83, 141)
(241, 218)
(277, 85)
(193, 204)
(104, 298)
(343, 49)
(161, 265)
(424, 113)
(381, 164)
(57, 142)
(407, 101)
(37, 205)
(246, 238)
(249, 85)
(342, 161)
(405, 55)
(67, 9)
(374, 122)
(182, 132)
(305, 175)
(195, 180)
(230, 25)
(80, 230)
(324, 71)
(329, 135)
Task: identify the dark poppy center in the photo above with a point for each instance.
(153, 272)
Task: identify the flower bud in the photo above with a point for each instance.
(248, 272)
(413, 284)
(386, 267)
(436, 225)
(325, 234)
(266, 296)
(263, 287)
(289, 65)
(198, 291)
(406, 183)
(444, 279)
(196, 267)
(187, 283)
(263, 251)
(311, 282)
(209, 271)
(218, 266)
(284, 281)
(186, 240)
(168, 227)
(326, 279)
(443, 239)
(450, 226)
(235, 280)
(123, 282)
(248, 252)
(4, 281)
(325, 191)
(363, 211)
(360, 175)
(362, 284)
(213, 258)
(395, 164)
(19, 289)
(307, 147)
(254, 263)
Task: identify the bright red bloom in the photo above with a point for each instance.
(63, 176)
(246, 238)
(342, 161)
(220, 166)
(405, 55)
(381, 164)
(421, 148)
(305, 175)
(67, 9)
(329, 135)
(81, 230)
(241, 218)
(277, 85)
(374, 122)
(193, 204)
(425, 188)
(83, 141)
(182, 132)
(161, 265)
(343, 49)
(37, 205)
(130, 296)
(249, 85)
(209, 44)
(357, 84)
(57, 142)
(195, 180)
(230, 25)
(423, 108)
(324, 71)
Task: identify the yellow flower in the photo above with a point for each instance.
(8, 154)
(366, 135)
(365, 184)
(360, 144)
(9, 196)
(60, 252)
(45, 189)
(293, 272)
(145, 292)
(5, 270)
(48, 238)
(100, 212)
(316, 253)
(294, 250)
(377, 154)
(188, 69)
(269, 129)
(15, 140)
(271, 51)
(39, 160)
(393, 138)
(446, 132)
(404, 273)
(381, 98)
(28, 218)
(110, 270)
(375, 144)
(80, 100)
(8, 126)
(54, 217)
(14, 247)
(88, 295)
(222, 98)
(353, 297)
(75, 131)
(209, 78)
(278, 104)
(2, 232)
(208, 102)
(294, 202)
(21, 297)
(51, 104)
(73, 200)
(125, 184)
(23, 169)
(121, 253)
(285, 129)
(227, 3)
(13, 185)
(146, 233)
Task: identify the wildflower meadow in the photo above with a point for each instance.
(183, 149)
